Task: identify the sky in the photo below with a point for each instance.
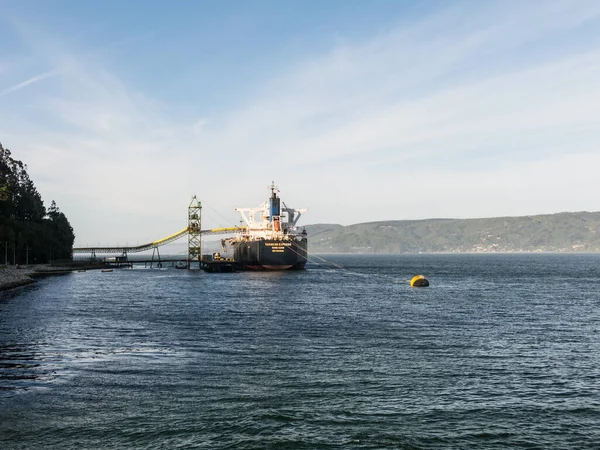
(359, 111)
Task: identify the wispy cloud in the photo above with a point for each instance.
(415, 96)
(399, 87)
(27, 82)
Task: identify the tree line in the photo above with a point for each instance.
(29, 233)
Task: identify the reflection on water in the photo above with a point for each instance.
(28, 367)
(23, 367)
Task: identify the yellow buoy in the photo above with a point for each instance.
(419, 281)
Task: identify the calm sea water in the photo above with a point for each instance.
(502, 351)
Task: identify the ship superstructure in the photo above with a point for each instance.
(270, 239)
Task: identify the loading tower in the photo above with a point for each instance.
(194, 232)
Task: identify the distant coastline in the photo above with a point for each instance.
(576, 232)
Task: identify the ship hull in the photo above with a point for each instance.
(271, 254)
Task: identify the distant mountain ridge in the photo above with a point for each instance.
(560, 232)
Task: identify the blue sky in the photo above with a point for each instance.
(360, 111)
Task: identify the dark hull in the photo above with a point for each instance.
(270, 254)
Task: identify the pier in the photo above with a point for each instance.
(193, 231)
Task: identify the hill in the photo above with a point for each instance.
(561, 232)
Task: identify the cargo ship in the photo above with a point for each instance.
(270, 239)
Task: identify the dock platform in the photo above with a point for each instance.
(215, 263)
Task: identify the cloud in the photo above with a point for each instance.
(27, 82)
(200, 125)
(404, 96)
(396, 91)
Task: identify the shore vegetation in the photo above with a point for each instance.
(30, 233)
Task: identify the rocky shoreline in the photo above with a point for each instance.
(15, 276)
(11, 277)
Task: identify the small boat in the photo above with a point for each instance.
(180, 265)
(107, 270)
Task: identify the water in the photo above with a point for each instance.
(502, 351)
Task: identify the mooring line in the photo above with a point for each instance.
(345, 270)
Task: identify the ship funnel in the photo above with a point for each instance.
(275, 205)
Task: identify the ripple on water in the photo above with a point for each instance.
(487, 357)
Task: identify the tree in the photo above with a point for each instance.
(63, 236)
(35, 234)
